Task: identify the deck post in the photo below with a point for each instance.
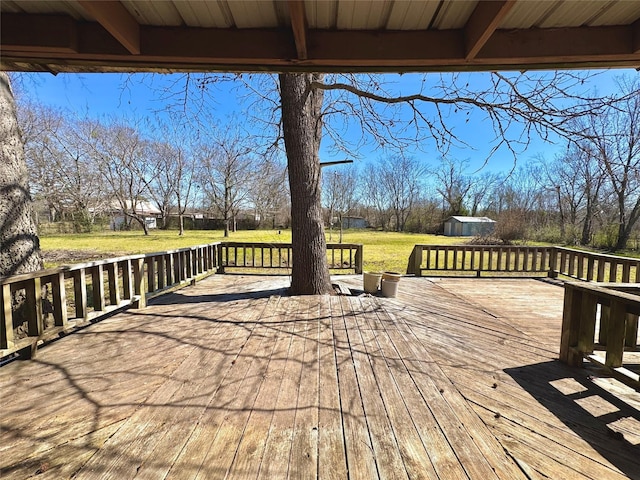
(358, 259)
(417, 261)
(571, 326)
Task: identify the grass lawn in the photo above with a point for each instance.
(383, 251)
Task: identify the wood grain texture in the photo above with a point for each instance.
(454, 378)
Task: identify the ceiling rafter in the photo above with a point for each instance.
(116, 20)
(88, 44)
(483, 22)
(299, 27)
(636, 37)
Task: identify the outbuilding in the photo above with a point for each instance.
(460, 226)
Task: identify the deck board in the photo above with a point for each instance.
(454, 378)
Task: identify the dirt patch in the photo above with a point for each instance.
(66, 257)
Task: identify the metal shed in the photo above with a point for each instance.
(459, 226)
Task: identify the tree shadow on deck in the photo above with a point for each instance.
(178, 298)
(586, 408)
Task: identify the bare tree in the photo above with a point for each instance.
(124, 161)
(226, 168)
(402, 178)
(576, 182)
(268, 193)
(20, 246)
(340, 194)
(482, 186)
(174, 185)
(62, 169)
(614, 138)
(453, 185)
(377, 198)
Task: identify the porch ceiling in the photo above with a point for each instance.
(331, 35)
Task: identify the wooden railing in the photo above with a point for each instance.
(552, 261)
(607, 312)
(61, 299)
(479, 258)
(340, 256)
(595, 267)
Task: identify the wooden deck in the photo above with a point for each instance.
(454, 379)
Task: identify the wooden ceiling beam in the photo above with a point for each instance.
(636, 37)
(116, 20)
(299, 27)
(203, 49)
(40, 34)
(482, 23)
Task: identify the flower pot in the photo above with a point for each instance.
(389, 288)
(391, 276)
(371, 281)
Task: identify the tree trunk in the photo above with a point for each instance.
(20, 246)
(302, 127)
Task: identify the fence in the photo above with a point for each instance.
(340, 256)
(60, 299)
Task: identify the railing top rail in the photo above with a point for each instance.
(609, 292)
(524, 247)
(256, 244)
(78, 266)
(607, 256)
(284, 244)
(178, 250)
(21, 277)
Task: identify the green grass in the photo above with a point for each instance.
(383, 251)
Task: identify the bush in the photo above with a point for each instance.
(511, 226)
(488, 240)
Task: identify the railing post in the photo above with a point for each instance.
(80, 293)
(587, 329)
(615, 334)
(151, 274)
(6, 326)
(417, 261)
(114, 288)
(97, 288)
(571, 326)
(138, 282)
(126, 279)
(59, 300)
(220, 248)
(33, 309)
(358, 259)
(631, 331)
(604, 324)
(553, 262)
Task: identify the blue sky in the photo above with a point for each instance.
(103, 95)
